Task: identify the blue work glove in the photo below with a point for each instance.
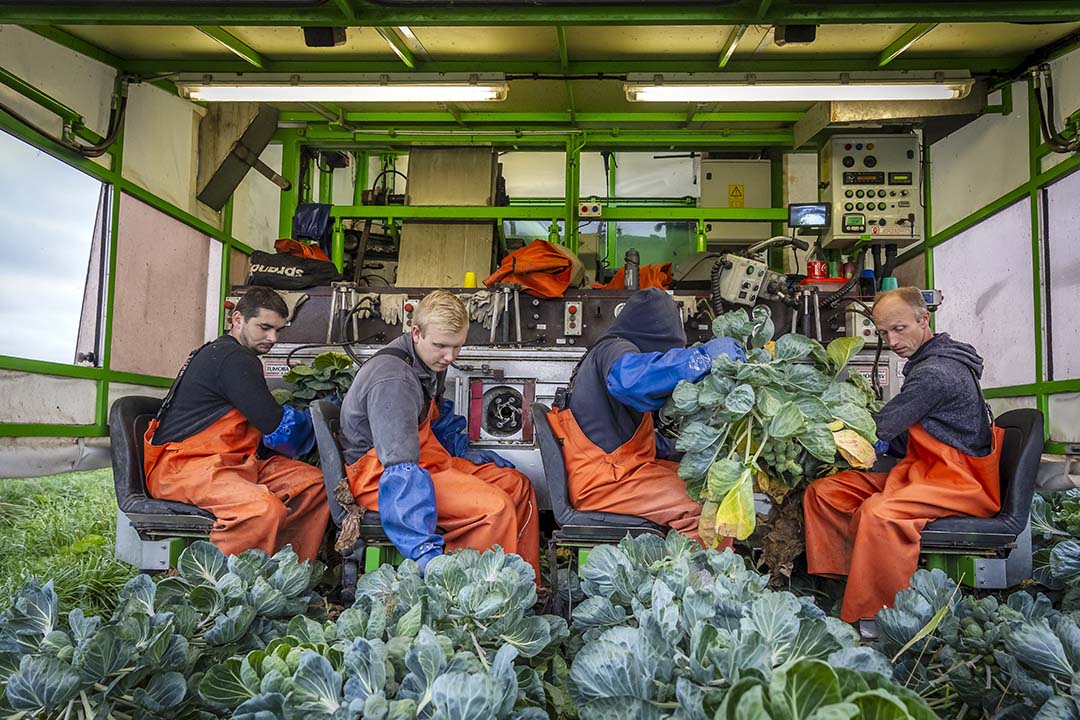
(482, 457)
(294, 436)
(725, 346)
(449, 429)
(408, 513)
(881, 447)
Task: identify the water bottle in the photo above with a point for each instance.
(632, 265)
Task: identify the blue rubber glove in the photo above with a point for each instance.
(482, 457)
(449, 429)
(881, 447)
(644, 381)
(294, 436)
(408, 513)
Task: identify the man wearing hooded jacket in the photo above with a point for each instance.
(607, 431)
(866, 525)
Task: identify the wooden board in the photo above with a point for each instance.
(439, 254)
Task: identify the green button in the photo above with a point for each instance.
(750, 270)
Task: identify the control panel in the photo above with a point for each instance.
(408, 309)
(859, 325)
(874, 185)
(573, 318)
(741, 279)
(590, 209)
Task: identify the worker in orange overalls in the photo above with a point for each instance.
(203, 448)
(866, 525)
(606, 425)
(407, 459)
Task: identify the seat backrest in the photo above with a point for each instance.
(552, 487)
(326, 417)
(1020, 454)
(128, 420)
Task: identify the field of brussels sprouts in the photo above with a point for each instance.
(659, 629)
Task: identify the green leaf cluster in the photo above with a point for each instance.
(1055, 534)
(1014, 659)
(769, 420)
(674, 631)
(329, 374)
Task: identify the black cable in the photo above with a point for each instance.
(89, 151)
(344, 346)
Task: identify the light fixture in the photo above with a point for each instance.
(344, 92)
(811, 91)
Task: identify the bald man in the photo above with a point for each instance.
(866, 525)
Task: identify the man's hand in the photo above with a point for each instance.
(483, 457)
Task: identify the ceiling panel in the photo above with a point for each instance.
(144, 43)
(605, 43)
(539, 43)
(989, 39)
(276, 42)
(834, 41)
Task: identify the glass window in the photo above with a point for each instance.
(48, 211)
(1062, 276)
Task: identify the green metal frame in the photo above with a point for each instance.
(1041, 389)
(737, 12)
(103, 375)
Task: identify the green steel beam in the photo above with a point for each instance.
(541, 212)
(701, 139)
(290, 169)
(733, 39)
(1039, 337)
(398, 46)
(50, 430)
(731, 13)
(348, 11)
(77, 44)
(564, 49)
(908, 38)
(233, 44)
(611, 67)
(623, 212)
(554, 118)
(71, 118)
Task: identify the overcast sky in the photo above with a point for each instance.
(47, 212)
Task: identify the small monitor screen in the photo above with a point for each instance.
(810, 215)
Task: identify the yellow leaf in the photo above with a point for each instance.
(771, 347)
(855, 449)
(836, 425)
(707, 524)
(777, 490)
(735, 517)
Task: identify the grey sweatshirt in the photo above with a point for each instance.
(942, 394)
(389, 391)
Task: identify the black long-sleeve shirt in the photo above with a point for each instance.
(222, 376)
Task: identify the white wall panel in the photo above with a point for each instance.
(46, 399)
(644, 175)
(82, 84)
(534, 174)
(1000, 406)
(160, 142)
(1063, 235)
(979, 163)
(257, 204)
(1064, 410)
(985, 276)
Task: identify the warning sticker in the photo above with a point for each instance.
(736, 194)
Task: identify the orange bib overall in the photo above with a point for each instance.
(264, 504)
(630, 480)
(866, 525)
(477, 506)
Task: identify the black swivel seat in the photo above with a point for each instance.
(995, 552)
(575, 528)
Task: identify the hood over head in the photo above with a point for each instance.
(651, 320)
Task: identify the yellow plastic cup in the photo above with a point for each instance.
(470, 279)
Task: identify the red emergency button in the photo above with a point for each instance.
(572, 309)
(229, 305)
(408, 307)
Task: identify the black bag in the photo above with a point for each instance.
(288, 272)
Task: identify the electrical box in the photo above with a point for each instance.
(741, 279)
(736, 184)
(874, 185)
(590, 209)
(572, 317)
(408, 309)
(859, 325)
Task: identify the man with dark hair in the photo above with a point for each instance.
(202, 447)
(606, 427)
(866, 525)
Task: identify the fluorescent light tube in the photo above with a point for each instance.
(347, 93)
(797, 92)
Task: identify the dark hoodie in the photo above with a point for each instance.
(649, 322)
(942, 394)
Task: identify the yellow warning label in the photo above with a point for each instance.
(735, 196)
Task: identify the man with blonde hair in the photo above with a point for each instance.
(866, 525)
(416, 468)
